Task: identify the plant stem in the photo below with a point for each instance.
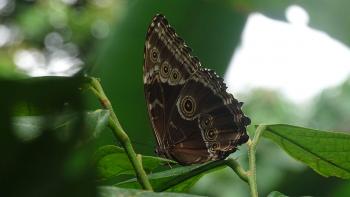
(235, 166)
(251, 157)
(120, 134)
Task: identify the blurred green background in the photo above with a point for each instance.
(106, 38)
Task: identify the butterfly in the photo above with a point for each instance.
(193, 117)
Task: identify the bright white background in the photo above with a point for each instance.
(287, 56)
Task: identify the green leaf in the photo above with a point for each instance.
(186, 185)
(328, 153)
(109, 191)
(112, 161)
(276, 194)
(176, 179)
(150, 163)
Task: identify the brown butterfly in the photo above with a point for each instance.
(193, 117)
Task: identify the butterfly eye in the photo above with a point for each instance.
(175, 76)
(154, 55)
(165, 70)
(188, 106)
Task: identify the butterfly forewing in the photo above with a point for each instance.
(162, 83)
(193, 117)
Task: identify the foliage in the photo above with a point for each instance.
(106, 158)
(113, 191)
(331, 109)
(46, 159)
(325, 152)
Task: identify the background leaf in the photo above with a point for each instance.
(29, 127)
(108, 191)
(96, 121)
(328, 153)
(53, 162)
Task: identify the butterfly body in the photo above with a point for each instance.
(193, 117)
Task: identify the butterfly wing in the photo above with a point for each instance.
(162, 82)
(213, 120)
(193, 117)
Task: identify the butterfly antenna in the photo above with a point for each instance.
(169, 165)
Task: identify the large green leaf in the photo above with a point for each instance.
(328, 153)
(112, 161)
(108, 191)
(276, 194)
(176, 179)
(186, 185)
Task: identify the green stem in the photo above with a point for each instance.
(237, 168)
(233, 164)
(251, 157)
(121, 134)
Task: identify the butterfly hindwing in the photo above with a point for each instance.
(211, 119)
